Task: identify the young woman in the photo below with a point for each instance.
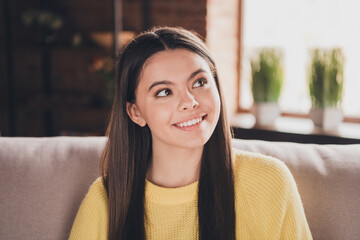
(168, 170)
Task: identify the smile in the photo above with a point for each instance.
(190, 123)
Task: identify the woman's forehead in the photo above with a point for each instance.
(172, 63)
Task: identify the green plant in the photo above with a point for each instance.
(326, 77)
(267, 75)
(46, 21)
(42, 18)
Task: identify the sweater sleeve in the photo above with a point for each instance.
(268, 199)
(91, 221)
(294, 225)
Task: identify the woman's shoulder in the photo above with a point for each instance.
(95, 203)
(91, 220)
(98, 184)
(97, 190)
(267, 197)
(96, 195)
(254, 168)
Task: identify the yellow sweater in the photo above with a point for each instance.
(267, 205)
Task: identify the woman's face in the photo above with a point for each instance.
(177, 98)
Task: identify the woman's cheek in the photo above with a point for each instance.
(160, 111)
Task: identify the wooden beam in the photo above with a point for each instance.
(117, 25)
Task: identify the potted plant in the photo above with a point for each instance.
(326, 80)
(267, 80)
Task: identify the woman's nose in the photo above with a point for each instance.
(187, 102)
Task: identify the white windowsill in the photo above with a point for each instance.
(296, 125)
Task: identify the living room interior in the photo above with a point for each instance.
(57, 72)
(60, 71)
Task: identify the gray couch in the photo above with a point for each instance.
(43, 180)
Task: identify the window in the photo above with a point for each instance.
(297, 26)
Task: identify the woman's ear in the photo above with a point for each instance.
(134, 114)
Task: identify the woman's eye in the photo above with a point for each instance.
(200, 83)
(163, 93)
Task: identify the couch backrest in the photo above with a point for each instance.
(43, 181)
(328, 180)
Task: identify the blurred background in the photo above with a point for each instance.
(56, 57)
(57, 68)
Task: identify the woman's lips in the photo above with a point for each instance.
(190, 124)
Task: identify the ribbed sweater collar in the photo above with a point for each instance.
(155, 193)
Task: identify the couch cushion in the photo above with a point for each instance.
(42, 183)
(328, 179)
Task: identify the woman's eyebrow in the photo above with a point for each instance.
(166, 82)
(196, 73)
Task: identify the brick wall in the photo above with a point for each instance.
(75, 92)
(215, 20)
(222, 39)
(189, 14)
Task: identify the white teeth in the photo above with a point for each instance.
(189, 123)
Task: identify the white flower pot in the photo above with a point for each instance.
(328, 118)
(266, 113)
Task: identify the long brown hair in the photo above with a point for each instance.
(129, 148)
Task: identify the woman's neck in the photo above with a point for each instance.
(173, 166)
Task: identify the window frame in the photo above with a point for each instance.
(239, 109)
